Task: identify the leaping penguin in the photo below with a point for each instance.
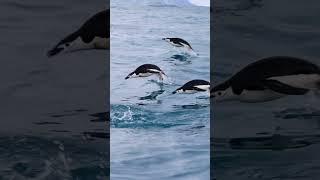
(268, 79)
(146, 70)
(93, 34)
(194, 86)
(178, 42)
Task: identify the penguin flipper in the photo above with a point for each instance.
(282, 88)
(153, 70)
(198, 89)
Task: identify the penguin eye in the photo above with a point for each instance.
(67, 44)
(219, 93)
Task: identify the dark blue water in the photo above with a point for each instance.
(273, 140)
(154, 134)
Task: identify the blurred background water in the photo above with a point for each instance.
(273, 140)
(154, 134)
(53, 111)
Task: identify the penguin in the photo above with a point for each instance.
(146, 70)
(194, 86)
(269, 79)
(93, 34)
(178, 42)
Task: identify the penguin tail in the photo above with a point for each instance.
(162, 75)
(192, 52)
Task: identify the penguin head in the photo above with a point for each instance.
(129, 75)
(132, 75)
(219, 95)
(166, 39)
(179, 90)
(222, 93)
(70, 44)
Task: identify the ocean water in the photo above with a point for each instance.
(155, 134)
(277, 139)
(53, 111)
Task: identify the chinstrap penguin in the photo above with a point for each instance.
(178, 42)
(194, 86)
(146, 70)
(268, 79)
(93, 34)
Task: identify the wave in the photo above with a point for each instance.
(132, 116)
(123, 116)
(36, 158)
(166, 3)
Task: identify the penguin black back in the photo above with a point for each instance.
(96, 26)
(193, 83)
(192, 86)
(91, 28)
(265, 68)
(145, 67)
(276, 66)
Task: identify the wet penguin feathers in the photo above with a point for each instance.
(257, 76)
(146, 70)
(276, 66)
(256, 73)
(95, 27)
(178, 42)
(193, 86)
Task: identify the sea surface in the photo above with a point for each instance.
(276, 140)
(53, 110)
(155, 134)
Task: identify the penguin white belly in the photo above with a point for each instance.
(204, 87)
(259, 96)
(79, 44)
(308, 81)
(145, 74)
(190, 91)
(96, 43)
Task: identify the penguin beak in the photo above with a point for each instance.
(129, 75)
(175, 92)
(54, 51)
